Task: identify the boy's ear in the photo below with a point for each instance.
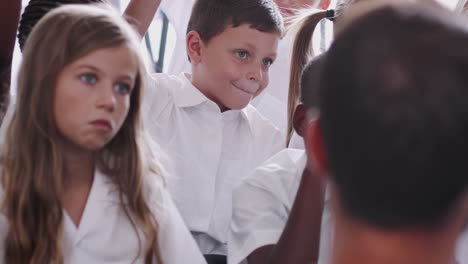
(299, 119)
(315, 146)
(194, 43)
(324, 4)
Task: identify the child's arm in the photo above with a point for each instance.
(9, 18)
(9, 14)
(140, 13)
(300, 240)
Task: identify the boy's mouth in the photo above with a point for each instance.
(250, 91)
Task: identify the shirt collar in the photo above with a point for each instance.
(186, 94)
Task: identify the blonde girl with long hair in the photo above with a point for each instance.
(79, 183)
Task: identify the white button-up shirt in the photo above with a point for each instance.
(263, 202)
(462, 248)
(210, 151)
(105, 235)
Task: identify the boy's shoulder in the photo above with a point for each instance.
(165, 81)
(259, 123)
(267, 138)
(159, 92)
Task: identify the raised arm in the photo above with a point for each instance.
(140, 13)
(9, 17)
(300, 240)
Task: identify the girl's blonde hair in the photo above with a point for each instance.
(302, 53)
(32, 161)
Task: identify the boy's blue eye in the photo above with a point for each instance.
(267, 62)
(242, 54)
(122, 88)
(88, 78)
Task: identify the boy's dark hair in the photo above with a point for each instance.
(310, 81)
(394, 116)
(211, 17)
(36, 9)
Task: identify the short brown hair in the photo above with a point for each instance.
(210, 17)
(394, 117)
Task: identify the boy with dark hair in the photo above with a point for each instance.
(272, 103)
(203, 120)
(392, 135)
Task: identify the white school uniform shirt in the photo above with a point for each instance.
(462, 248)
(272, 102)
(210, 151)
(296, 142)
(105, 235)
(263, 202)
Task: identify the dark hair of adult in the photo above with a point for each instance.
(394, 116)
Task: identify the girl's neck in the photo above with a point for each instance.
(78, 176)
(78, 166)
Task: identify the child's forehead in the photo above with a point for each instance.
(246, 31)
(244, 36)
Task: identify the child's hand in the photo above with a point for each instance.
(140, 13)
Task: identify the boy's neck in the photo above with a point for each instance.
(356, 243)
(197, 85)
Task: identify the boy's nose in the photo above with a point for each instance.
(255, 73)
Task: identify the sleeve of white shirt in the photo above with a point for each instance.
(178, 13)
(254, 226)
(175, 241)
(261, 205)
(462, 248)
(268, 139)
(156, 97)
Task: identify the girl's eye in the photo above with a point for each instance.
(88, 78)
(242, 54)
(267, 62)
(122, 88)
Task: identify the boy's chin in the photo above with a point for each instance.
(237, 105)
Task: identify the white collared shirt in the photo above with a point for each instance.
(263, 202)
(105, 235)
(210, 151)
(462, 248)
(296, 142)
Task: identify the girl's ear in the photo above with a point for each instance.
(194, 45)
(315, 146)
